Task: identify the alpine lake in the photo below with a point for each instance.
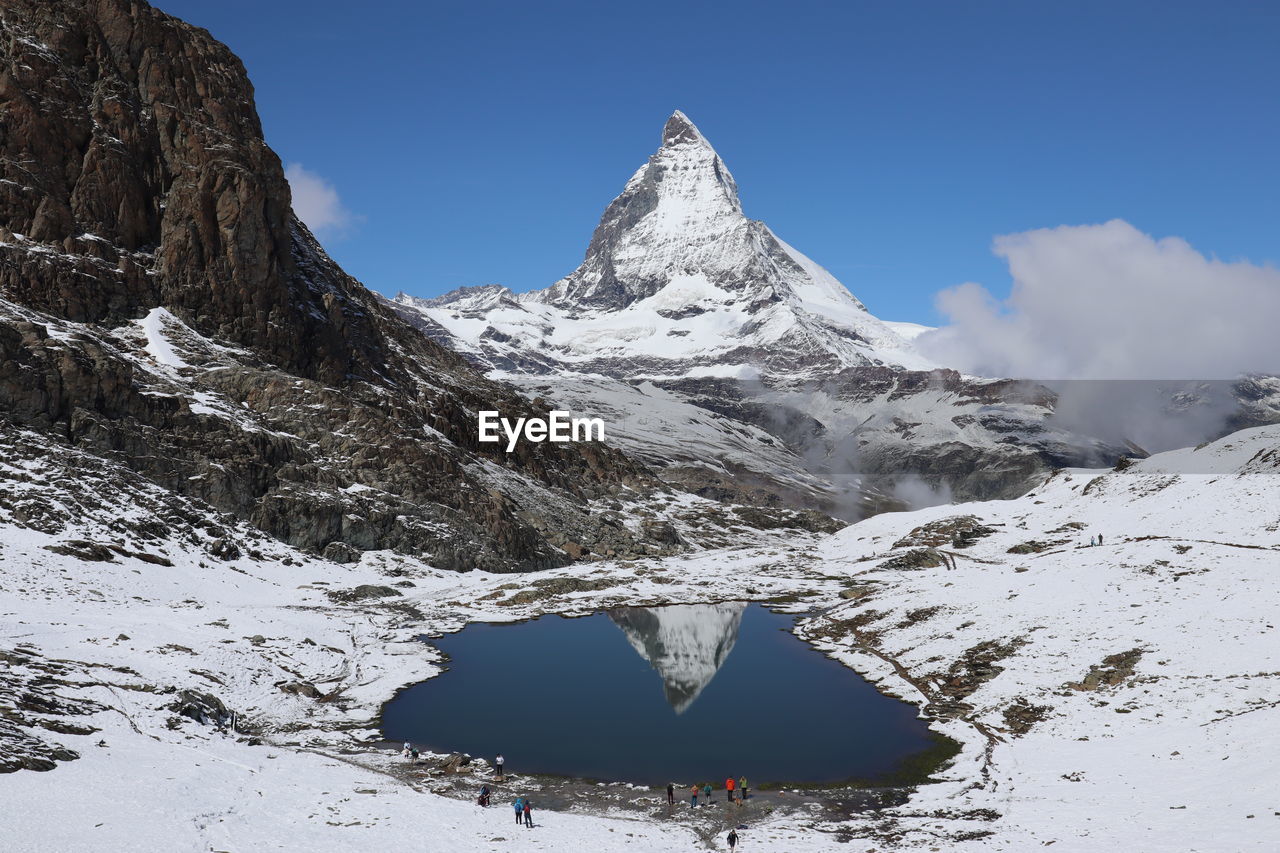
(651, 695)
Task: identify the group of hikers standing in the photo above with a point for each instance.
(1095, 540)
(524, 811)
(523, 806)
(735, 791)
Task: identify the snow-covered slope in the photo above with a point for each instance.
(677, 282)
(1121, 696)
(686, 644)
(1118, 696)
(136, 623)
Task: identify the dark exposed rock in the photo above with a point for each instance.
(1114, 670)
(1036, 546)
(29, 700)
(24, 751)
(224, 550)
(920, 614)
(364, 592)
(82, 550)
(856, 593)
(301, 688)
(132, 165)
(1069, 527)
(916, 558)
(544, 588)
(957, 531)
(978, 665)
(662, 532)
(456, 763)
(341, 552)
(205, 708)
(1021, 715)
(769, 518)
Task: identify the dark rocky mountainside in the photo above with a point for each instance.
(161, 306)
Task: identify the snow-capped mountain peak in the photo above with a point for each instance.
(676, 281)
(677, 214)
(680, 130)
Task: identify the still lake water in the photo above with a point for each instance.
(652, 695)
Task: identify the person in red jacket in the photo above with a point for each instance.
(728, 786)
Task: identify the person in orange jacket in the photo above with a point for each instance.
(728, 786)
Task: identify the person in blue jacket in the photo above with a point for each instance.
(519, 807)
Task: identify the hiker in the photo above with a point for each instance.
(519, 806)
(742, 789)
(500, 762)
(694, 798)
(528, 814)
(671, 795)
(483, 799)
(728, 786)
(706, 789)
(1099, 538)
(414, 754)
(733, 838)
(404, 753)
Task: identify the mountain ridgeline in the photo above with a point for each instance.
(163, 309)
(688, 318)
(161, 305)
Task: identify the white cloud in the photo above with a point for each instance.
(1110, 302)
(913, 491)
(316, 201)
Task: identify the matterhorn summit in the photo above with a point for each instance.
(678, 219)
(676, 282)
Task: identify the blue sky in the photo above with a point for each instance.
(477, 142)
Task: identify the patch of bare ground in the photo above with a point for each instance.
(1021, 716)
(958, 531)
(1114, 670)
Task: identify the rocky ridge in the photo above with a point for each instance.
(161, 305)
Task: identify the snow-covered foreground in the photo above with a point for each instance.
(1181, 753)
(1119, 696)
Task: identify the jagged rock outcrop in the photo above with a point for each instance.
(161, 305)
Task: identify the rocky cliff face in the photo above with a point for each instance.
(133, 156)
(161, 305)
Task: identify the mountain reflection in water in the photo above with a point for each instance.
(570, 696)
(686, 644)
